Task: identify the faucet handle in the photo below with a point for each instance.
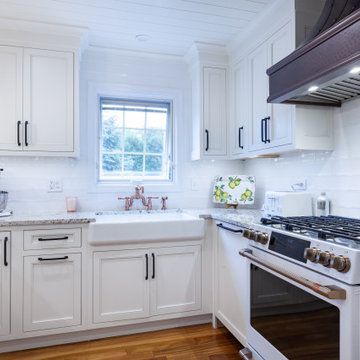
(127, 202)
(163, 200)
(149, 202)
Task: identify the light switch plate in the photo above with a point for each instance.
(55, 185)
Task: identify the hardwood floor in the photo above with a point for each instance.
(199, 342)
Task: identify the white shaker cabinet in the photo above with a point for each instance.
(274, 128)
(214, 111)
(209, 77)
(258, 84)
(4, 283)
(38, 102)
(48, 100)
(230, 287)
(52, 291)
(271, 124)
(176, 280)
(121, 286)
(140, 283)
(239, 109)
(11, 66)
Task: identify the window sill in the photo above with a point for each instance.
(161, 188)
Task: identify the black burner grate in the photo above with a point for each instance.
(325, 226)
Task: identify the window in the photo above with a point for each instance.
(135, 140)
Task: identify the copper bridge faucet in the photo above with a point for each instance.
(130, 200)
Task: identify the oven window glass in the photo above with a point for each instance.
(298, 324)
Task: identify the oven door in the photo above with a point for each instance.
(291, 316)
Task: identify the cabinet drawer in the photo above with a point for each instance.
(52, 239)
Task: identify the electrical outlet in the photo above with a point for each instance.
(55, 185)
(299, 185)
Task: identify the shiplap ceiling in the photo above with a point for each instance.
(173, 25)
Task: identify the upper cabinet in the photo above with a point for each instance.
(38, 102)
(209, 75)
(260, 128)
(48, 101)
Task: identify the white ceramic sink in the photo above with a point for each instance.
(144, 227)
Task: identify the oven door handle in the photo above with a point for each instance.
(330, 292)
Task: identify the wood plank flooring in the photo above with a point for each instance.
(199, 342)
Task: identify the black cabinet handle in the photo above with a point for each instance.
(18, 133)
(240, 142)
(147, 266)
(53, 239)
(53, 259)
(229, 229)
(26, 133)
(207, 140)
(5, 251)
(267, 140)
(153, 262)
(262, 130)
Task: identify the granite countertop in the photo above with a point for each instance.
(235, 217)
(48, 218)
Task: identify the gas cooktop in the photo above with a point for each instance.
(337, 229)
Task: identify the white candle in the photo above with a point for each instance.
(71, 204)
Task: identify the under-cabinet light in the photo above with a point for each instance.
(355, 70)
(313, 88)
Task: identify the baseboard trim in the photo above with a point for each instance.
(68, 338)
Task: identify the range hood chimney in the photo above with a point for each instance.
(325, 68)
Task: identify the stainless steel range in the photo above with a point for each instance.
(304, 289)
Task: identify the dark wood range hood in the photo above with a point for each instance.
(325, 69)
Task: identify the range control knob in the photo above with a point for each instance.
(311, 253)
(324, 258)
(262, 238)
(252, 234)
(340, 263)
(246, 233)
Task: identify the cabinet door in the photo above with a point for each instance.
(11, 59)
(258, 61)
(121, 287)
(48, 100)
(231, 283)
(281, 115)
(214, 111)
(4, 283)
(176, 280)
(239, 109)
(52, 291)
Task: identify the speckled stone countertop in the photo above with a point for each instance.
(236, 217)
(49, 218)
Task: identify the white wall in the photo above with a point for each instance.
(26, 179)
(337, 172)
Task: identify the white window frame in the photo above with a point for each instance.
(141, 93)
(169, 137)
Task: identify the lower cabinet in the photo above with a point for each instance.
(4, 283)
(120, 288)
(134, 284)
(52, 291)
(231, 283)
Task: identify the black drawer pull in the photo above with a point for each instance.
(147, 267)
(153, 261)
(207, 140)
(229, 229)
(240, 142)
(53, 259)
(262, 130)
(53, 239)
(26, 133)
(267, 125)
(18, 133)
(5, 251)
